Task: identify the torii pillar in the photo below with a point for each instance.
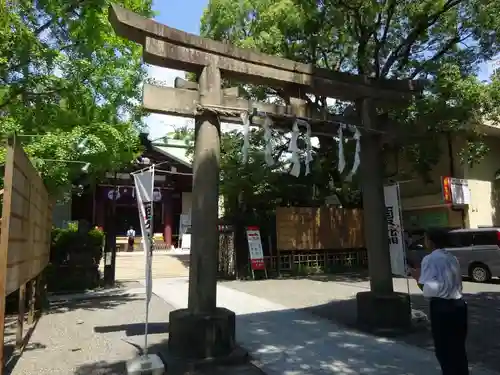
(203, 330)
(380, 308)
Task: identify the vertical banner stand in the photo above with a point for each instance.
(405, 249)
(255, 251)
(399, 261)
(146, 363)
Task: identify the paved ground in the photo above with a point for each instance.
(87, 335)
(333, 298)
(130, 265)
(295, 341)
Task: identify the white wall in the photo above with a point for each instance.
(484, 207)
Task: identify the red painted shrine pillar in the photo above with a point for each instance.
(168, 217)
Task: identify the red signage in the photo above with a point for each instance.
(447, 190)
(258, 264)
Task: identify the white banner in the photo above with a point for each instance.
(395, 230)
(144, 183)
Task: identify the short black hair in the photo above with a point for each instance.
(439, 237)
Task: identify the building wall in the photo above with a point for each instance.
(187, 201)
(422, 201)
(61, 214)
(484, 209)
(412, 184)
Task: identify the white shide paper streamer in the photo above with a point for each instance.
(268, 150)
(357, 137)
(341, 157)
(245, 118)
(294, 148)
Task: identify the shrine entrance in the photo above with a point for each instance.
(191, 329)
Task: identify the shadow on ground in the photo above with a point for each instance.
(10, 353)
(183, 258)
(91, 303)
(327, 350)
(347, 277)
(302, 340)
(483, 346)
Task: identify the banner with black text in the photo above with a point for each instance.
(394, 218)
(144, 183)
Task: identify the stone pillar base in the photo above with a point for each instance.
(383, 312)
(201, 336)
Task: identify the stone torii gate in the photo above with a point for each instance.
(203, 330)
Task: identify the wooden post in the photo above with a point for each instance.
(32, 305)
(20, 316)
(205, 236)
(41, 302)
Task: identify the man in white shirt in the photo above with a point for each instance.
(131, 238)
(440, 279)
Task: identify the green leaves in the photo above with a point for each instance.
(64, 74)
(443, 41)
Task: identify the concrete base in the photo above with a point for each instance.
(201, 336)
(149, 364)
(383, 312)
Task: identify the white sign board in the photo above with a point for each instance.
(186, 241)
(460, 192)
(395, 229)
(256, 253)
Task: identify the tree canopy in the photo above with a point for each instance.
(69, 87)
(443, 41)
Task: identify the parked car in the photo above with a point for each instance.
(477, 250)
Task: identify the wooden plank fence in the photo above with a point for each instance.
(319, 228)
(24, 238)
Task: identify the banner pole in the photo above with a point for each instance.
(149, 260)
(405, 247)
(144, 186)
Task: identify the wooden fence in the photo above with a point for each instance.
(24, 238)
(319, 228)
(318, 239)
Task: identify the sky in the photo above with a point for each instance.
(180, 15)
(177, 14)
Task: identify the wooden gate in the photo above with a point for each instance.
(25, 235)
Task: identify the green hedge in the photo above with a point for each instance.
(69, 246)
(74, 259)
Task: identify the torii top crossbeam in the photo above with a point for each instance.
(171, 48)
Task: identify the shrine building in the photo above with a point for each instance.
(113, 200)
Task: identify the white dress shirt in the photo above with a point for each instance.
(440, 275)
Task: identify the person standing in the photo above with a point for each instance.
(440, 279)
(131, 238)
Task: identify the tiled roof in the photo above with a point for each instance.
(175, 149)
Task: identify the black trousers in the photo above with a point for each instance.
(449, 331)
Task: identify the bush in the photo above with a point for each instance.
(74, 259)
(72, 247)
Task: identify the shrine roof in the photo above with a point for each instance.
(174, 149)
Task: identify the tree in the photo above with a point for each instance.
(253, 187)
(69, 86)
(442, 41)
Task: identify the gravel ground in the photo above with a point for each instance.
(334, 298)
(85, 337)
